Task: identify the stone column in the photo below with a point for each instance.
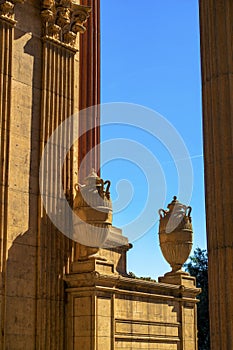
(7, 24)
(216, 18)
(61, 23)
(90, 89)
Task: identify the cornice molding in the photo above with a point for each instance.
(116, 283)
(7, 10)
(63, 20)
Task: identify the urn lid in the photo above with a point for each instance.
(176, 204)
(92, 179)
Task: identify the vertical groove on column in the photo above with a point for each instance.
(53, 243)
(57, 261)
(71, 93)
(6, 33)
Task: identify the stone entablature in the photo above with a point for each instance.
(63, 20)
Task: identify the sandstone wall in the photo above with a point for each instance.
(108, 311)
(39, 88)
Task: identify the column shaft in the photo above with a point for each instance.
(90, 88)
(54, 249)
(6, 34)
(216, 18)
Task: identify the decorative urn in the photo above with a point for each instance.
(93, 206)
(176, 234)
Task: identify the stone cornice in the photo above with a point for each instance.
(7, 10)
(63, 20)
(121, 284)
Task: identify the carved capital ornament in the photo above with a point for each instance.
(63, 20)
(7, 10)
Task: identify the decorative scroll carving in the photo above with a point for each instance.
(7, 9)
(63, 19)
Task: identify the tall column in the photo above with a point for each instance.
(7, 23)
(61, 22)
(90, 88)
(216, 18)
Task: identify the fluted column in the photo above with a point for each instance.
(61, 22)
(7, 23)
(216, 18)
(90, 89)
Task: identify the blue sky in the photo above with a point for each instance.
(150, 56)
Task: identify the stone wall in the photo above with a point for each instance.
(109, 311)
(40, 87)
(48, 298)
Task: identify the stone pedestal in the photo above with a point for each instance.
(182, 279)
(108, 310)
(216, 18)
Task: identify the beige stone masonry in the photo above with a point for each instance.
(56, 294)
(7, 23)
(114, 312)
(108, 310)
(39, 87)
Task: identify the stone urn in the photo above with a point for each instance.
(176, 234)
(93, 206)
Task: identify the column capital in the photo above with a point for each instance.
(63, 20)
(7, 10)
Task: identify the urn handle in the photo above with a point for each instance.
(108, 183)
(76, 187)
(100, 187)
(162, 213)
(188, 211)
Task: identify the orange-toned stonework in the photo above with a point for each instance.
(54, 294)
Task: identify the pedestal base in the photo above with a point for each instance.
(181, 278)
(94, 264)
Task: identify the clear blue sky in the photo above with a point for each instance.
(150, 55)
